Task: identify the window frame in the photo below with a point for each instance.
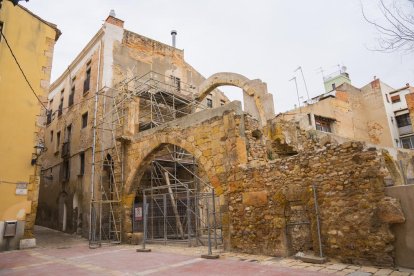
(87, 81)
(82, 163)
(58, 136)
(395, 99)
(403, 120)
(1, 29)
(209, 103)
(84, 120)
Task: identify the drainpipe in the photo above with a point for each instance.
(94, 142)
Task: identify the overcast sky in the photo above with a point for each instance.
(265, 39)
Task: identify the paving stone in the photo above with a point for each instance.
(342, 273)
(298, 266)
(313, 268)
(360, 273)
(347, 271)
(327, 270)
(369, 269)
(383, 272)
(400, 273)
(337, 266)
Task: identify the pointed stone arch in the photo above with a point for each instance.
(257, 101)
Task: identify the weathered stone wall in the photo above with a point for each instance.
(350, 189)
(260, 174)
(214, 137)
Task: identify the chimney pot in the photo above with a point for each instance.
(173, 34)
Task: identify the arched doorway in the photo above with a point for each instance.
(174, 201)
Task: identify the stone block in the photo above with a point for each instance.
(255, 198)
(27, 243)
(389, 211)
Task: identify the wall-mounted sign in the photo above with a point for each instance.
(21, 188)
(138, 213)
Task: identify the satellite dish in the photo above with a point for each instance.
(343, 68)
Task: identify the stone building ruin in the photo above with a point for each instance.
(152, 158)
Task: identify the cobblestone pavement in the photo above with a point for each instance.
(63, 254)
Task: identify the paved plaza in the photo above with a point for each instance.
(63, 254)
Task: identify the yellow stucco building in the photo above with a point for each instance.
(31, 40)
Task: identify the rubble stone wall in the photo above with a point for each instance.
(355, 214)
(264, 178)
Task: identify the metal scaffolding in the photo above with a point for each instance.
(190, 202)
(178, 206)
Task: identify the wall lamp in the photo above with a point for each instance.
(39, 148)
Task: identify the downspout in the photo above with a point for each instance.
(92, 187)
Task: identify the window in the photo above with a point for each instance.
(60, 110)
(403, 120)
(386, 97)
(395, 99)
(82, 163)
(333, 86)
(48, 116)
(1, 28)
(209, 103)
(84, 120)
(310, 119)
(176, 82)
(87, 82)
(71, 96)
(68, 133)
(222, 102)
(323, 124)
(57, 140)
(65, 170)
(51, 136)
(407, 142)
(49, 112)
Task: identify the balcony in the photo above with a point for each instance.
(48, 117)
(65, 150)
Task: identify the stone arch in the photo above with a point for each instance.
(142, 163)
(257, 101)
(138, 166)
(392, 171)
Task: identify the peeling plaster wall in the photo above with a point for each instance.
(360, 114)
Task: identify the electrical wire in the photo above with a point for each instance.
(21, 70)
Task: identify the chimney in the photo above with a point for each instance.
(173, 34)
(113, 20)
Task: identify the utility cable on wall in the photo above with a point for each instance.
(21, 70)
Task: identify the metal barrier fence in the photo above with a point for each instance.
(179, 217)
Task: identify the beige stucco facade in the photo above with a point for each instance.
(363, 114)
(32, 41)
